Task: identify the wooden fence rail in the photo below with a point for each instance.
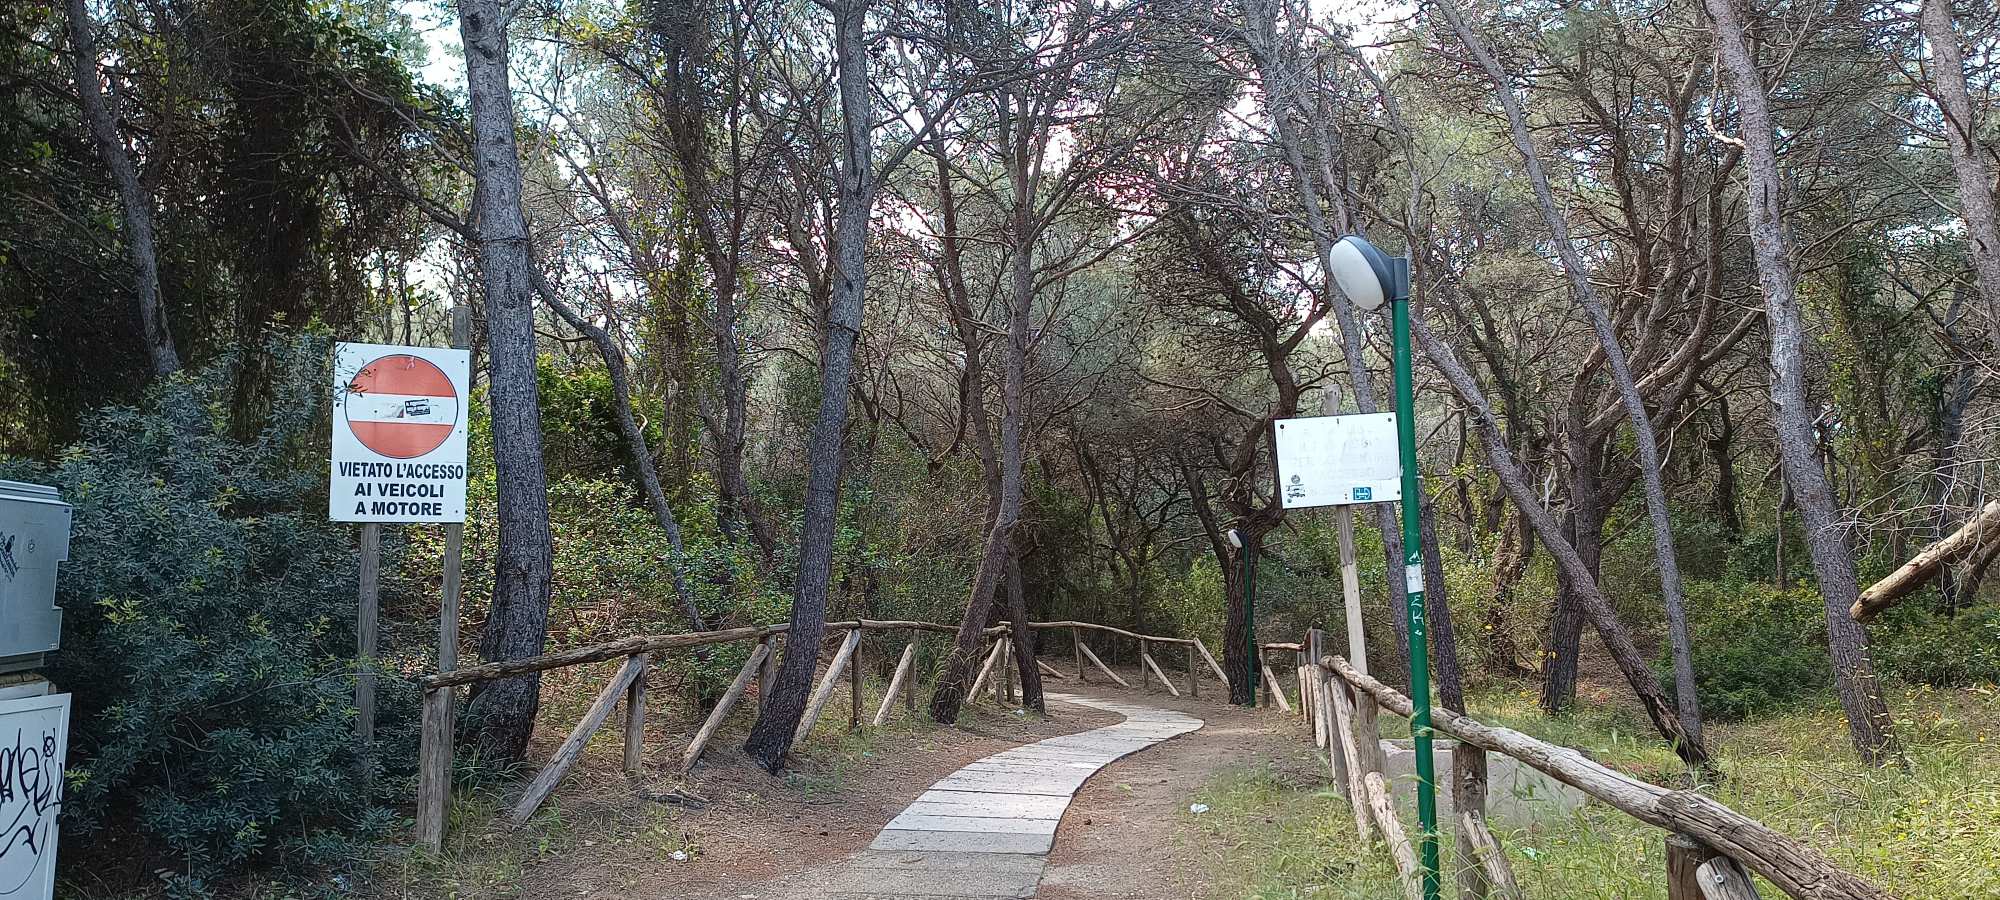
(1708, 842)
(628, 686)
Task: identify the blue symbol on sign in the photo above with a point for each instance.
(1364, 494)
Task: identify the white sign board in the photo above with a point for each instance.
(1337, 460)
(34, 742)
(399, 423)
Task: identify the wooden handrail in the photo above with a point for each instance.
(1796, 868)
(1119, 631)
(653, 643)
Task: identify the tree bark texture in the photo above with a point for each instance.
(1826, 528)
(502, 713)
(135, 206)
(771, 737)
(1968, 159)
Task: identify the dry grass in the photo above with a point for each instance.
(1931, 832)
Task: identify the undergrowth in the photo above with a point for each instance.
(1931, 832)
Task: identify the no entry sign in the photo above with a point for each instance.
(399, 416)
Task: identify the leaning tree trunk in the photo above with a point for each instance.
(1825, 527)
(502, 713)
(1617, 640)
(771, 737)
(1968, 159)
(1644, 438)
(133, 204)
(635, 445)
(1022, 636)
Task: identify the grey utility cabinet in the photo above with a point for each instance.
(34, 538)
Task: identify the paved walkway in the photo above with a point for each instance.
(984, 831)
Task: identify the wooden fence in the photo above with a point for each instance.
(1708, 844)
(628, 685)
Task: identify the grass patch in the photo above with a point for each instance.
(1933, 832)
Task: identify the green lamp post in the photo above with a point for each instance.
(1370, 278)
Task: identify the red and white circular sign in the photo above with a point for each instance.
(401, 406)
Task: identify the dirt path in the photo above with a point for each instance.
(1129, 835)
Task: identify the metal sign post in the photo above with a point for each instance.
(1413, 576)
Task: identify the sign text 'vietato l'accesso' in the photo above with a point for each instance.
(399, 424)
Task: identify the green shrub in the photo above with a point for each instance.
(208, 635)
(1756, 647)
(1918, 645)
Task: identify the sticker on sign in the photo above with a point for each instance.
(1337, 460)
(399, 425)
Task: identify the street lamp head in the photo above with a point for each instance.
(1365, 274)
(1235, 539)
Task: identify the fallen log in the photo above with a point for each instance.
(1982, 530)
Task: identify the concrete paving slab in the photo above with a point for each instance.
(984, 831)
(994, 825)
(940, 861)
(962, 841)
(972, 803)
(919, 882)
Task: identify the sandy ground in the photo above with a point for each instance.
(1129, 836)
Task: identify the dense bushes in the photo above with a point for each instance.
(208, 636)
(1756, 647)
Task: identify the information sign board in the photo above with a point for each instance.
(1337, 460)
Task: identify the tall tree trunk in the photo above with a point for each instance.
(771, 737)
(1825, 527)
(502, 713)
(1023, 636)
(1280, 77)
(133, 203)
(1644, 437)
(949, 694)
(1968, 159)
(1517, 548)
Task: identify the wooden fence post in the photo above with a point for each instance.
(635, 717)
(724, 705)
(1214, 666)
(897, 684)
(854, 685)
(825, 691)
(1101, 667)
(1145, 677)
(1695, 871)
(365, 630)
(1009, 666)
(910, 693)
(545, 781)
(434, 769)
(1147, 663)
(768, 677)
(1076, 645)
(1194, 678)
